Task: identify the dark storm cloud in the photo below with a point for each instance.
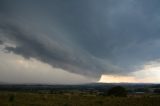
(1, 42)
(54, 55)
(87, 37)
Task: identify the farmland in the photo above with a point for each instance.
(73, 99)
(77, 95)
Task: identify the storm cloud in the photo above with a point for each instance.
(1, 42)
(87, 37)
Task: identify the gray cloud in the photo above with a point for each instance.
(85, 37)
(58, 54)
(33, 71)
(1, 42)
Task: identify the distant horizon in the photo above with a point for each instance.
(8, 83)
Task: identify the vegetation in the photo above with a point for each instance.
(117, 91)
(157, 91)
(80, 95)
(11, 98)
(75, 98)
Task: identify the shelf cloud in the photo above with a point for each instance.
(86, 37)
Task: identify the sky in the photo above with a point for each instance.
(79, 41)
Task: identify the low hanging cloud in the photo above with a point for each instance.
(84, 37)
(54, 53)
(1, 42)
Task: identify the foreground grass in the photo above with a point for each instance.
(68, 99)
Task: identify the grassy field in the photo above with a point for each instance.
(73, 99)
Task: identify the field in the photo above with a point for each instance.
(11, 98)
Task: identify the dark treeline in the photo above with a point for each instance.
(99, 87)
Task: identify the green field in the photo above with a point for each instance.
(73, 99)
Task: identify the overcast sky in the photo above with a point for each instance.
(78, 41)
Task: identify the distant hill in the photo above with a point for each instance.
(156, 86)
(83, 87)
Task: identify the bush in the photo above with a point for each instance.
(117, 91)
(11, 98)
(157, 91)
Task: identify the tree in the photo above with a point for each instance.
(157, 91)
(117, 91)
(11, 98)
